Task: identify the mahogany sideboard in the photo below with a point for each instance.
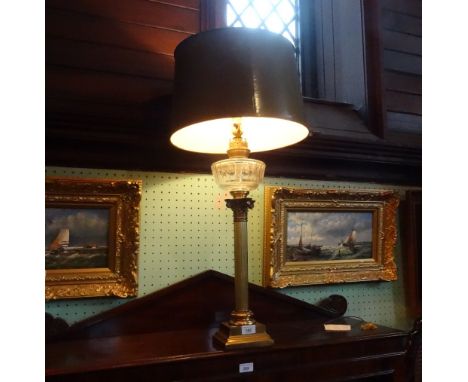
(167, 336)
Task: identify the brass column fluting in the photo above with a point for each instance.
(242, 330)
(239, 206)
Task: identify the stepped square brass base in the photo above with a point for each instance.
(231, 337)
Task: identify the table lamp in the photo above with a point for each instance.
(236, 90)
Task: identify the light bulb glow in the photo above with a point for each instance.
(262, 133)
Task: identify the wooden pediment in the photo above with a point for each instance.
(202, 301)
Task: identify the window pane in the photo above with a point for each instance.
(286, 11)
(230, 15)
(250, 18)
(279, 16)
(275, 24)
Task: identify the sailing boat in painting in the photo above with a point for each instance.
(75, 239)
(61, 255)
(61, 241)
(350, 241)
(330, 236)
(305, 252)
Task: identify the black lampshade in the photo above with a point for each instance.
(236, 73)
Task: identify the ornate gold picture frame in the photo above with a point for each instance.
(328, 236)
(91, 237)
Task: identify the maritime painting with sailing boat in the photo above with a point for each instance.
(76, 238)
(319, 236)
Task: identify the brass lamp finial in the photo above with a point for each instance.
(238, 147)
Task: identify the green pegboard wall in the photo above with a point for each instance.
(186, 229)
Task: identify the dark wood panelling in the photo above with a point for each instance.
(92, 109)
(103, 86)
(412, 236)
(408, 123)
(403, 82)
(408, 7)
(403, 102)
(402, 42)
(194, 4)
(107, 65)
(402, 62)
(212, 14)
(104, 58)
(107, 31)
(402, 50)
(150, 13)
(399, 22)
(318, 158)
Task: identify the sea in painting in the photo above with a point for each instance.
(76, 238)
(319, 236)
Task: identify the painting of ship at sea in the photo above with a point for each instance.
(62, 240)
(350, 241)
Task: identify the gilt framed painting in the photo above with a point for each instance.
(328, 236)
(91, 237)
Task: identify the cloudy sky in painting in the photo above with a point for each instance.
(86, 225)
(328, 228)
